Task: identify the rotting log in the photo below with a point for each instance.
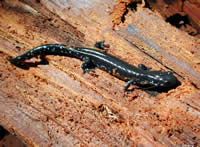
(56, 104)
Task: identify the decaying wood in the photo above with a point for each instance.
(56, 104)
(184, 12)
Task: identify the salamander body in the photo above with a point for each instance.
(92, 58)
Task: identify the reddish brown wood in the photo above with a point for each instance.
(188, 8)
(56, 104)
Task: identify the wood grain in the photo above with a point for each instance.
(56, 104)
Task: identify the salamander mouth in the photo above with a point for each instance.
(171, 81)
(167, 84)
(162, 83)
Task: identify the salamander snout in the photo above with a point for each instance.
(163, 79)
(167, 79)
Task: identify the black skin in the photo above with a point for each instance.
(93, 57)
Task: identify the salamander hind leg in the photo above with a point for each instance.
(87, 65)
(143, 67)
(43, 59)
(101, 45)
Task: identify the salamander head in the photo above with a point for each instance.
(163, 79)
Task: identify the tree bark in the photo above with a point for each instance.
(56, 104)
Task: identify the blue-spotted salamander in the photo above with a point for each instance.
(94, 57)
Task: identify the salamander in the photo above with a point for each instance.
(97, 57)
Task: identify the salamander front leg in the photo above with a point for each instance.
(128, 84)
(143, 67)
(87, 65)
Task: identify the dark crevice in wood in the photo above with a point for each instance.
(3, 132)
(178, 20)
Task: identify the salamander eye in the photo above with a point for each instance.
(169, 72)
